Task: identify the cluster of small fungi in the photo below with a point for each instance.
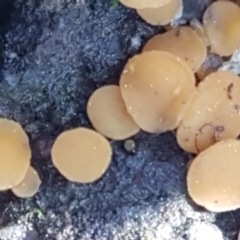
(175, 84)
(169, 86)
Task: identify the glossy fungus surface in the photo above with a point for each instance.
(221, 22)
(162, 15)
(156, 87)
(108, 114)
(81, 155)
(213, 113)
(15, 154)
(29, 186)
(182, 42)
(213, 177)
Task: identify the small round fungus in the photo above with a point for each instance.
(142, 4)
(213, 177)
(156, 87)
(15, 154)
(221, 22)
(182, 42)
(213, 113)
(108, 114)
(130, 145)
(162, 15)
(81, 155)
(29, 186)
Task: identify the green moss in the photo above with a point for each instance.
(114, 3)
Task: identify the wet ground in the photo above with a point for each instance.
(53, 54)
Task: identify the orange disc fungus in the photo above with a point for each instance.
(29, 186)
(162, 15)
(213, 177)
(221, 22)
(142, 4)
(182, 42)
(81, 155)
(108, 114)
(213, 113)
(156, 87)
(15, 154)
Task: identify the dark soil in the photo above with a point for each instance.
(53, 54)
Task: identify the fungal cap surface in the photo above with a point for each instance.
(213, 113)
(182, 42)
(15, 153)
(142, 4)
(108, 114)
(29, 186)
(221, 22)
(81, 155)
(213, 177)
(156, 87)
(162, 15)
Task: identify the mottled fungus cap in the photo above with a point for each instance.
(213, 113)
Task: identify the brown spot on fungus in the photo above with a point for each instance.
(211, 115)
(81, 155)
(162, 15)
(15, 154)
(156, 72)
(108, 114)
(237, 107)
(221, 22)
(29, 186)
(182, 42)
(142, 4)
(213, 177)
(229, 90)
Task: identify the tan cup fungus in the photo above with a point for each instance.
(213, 113)
(162, 15)
(213, 177)
(142, 4)
(81, 155)
(29, 186)
(182, 42)
(156, 87)
(15, 154)
(221, 22)
(108, 114)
